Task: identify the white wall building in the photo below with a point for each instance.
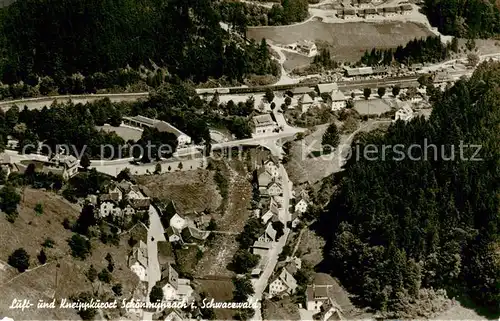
(404, 114)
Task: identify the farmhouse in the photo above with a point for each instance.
(63, 165)
(271, 167)
(108, 207)
(174, 289)
(263, 124)
(274, 189)
(191, 234)
(138, 261)
(269, 234)
(316, 296)
(173, 235)
(160, 125)
(339, 101)
(284, 283)
(301, 206)
(330, 310)
(304, 47)
(178, 222)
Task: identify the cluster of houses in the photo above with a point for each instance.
(122, 200)
(184, 230)
(363, 9)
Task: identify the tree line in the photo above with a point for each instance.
(240, 15)
(471, 19)
(428, 50)
(398, 226)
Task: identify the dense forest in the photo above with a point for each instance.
(398, 225)
(70, 39)
(473, 18)
(241, 14)
(428, 50)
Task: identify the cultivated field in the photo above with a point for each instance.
(347, 41)
(284, 309)
(190, 190)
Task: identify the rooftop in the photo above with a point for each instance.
(263, 120)
(327, 88)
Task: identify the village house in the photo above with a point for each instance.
(272, 167)
(173, 315)
(178, 222)
(271, 210)
(64, 165)
(174, 289)
(265, 179)
(274, 189)
(329, 311)
(339, 100)
(115, 194)
(138, 261)
(305, 103)
(191, 234)
(283, 284)
(173, 235)
(263, 124)
(109, 207)
(301, 206)
(305, 47)
(161, 126)
(316, 295)
(269, 234)
(404, 114)
(137, 199)
(362, 3)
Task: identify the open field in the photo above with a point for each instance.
(371, 106)
(347, 41)
(125, 132)
(190, 190)
(295, 60)
(50, 281)
(221, 290)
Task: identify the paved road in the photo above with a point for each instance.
(261, 283)
(155, 234)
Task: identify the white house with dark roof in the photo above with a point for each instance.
(339, 100)
(283, 284)
(178, 222)
(175, 289)
(274, 189)
(173, 234)
(269, 234)
(138, 261)
(263, 124)
(301, 206)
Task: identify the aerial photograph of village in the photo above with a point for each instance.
(249, 160)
